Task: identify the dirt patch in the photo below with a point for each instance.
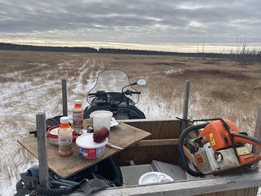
(223, 96)
(210, 73)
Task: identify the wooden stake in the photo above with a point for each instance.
(185, 108)
(42, 149)
(64, 97)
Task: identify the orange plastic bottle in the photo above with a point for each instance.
(65, 137)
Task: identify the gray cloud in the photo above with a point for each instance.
(169, 23)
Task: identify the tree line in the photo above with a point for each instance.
(243, 56)
(9, 46)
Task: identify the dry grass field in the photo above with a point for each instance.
(31, 82)
(218, 88)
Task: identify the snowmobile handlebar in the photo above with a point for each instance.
(103, 93)
(97, 94)
(112, 98)
(129, 92)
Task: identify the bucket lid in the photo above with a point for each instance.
(86, 141)
(101, 112)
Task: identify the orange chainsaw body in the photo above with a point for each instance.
(217, 135)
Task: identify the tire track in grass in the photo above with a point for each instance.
(29, 99)
(89, 66)
(82, 71)
(26, 89)
(88, 73)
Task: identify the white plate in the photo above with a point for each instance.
(154, 177)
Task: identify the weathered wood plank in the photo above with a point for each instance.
(42, 149)
(159, 129)
(257, 132)
(157, 142)
(64, 97)
(189, 155)
(185, 105)
(150, 148)
(243, 183)
(237, 192)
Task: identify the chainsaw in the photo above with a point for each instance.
(215, 147)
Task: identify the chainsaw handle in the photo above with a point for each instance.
(246, 139)
(182, 155)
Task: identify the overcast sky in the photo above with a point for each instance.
(176, 25)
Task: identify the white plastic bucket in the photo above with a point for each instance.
(101, 118)
(88, 148)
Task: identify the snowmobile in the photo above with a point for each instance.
(114, 92)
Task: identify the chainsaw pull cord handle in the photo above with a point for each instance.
(181, 150)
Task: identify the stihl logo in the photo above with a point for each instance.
(212, 140)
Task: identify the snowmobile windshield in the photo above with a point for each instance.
(112, 83)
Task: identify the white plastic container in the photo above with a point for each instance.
(101, 118)
(88, 148)
(52, 135)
